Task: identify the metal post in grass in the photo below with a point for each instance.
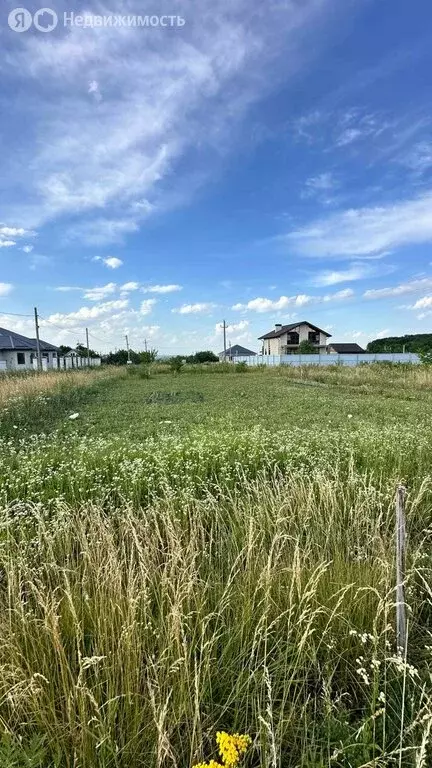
(400, 570)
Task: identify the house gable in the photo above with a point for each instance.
(280, 331)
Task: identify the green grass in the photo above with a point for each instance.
(141, 407)
(212, 551)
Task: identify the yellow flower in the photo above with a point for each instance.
(211, 764)
(232, 747)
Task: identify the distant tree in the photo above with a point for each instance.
(425, 356)
(307, 348)
(203, 357)
(81, 350)
(149, 356)
(416, 342)
(176, 363)
(121, 357)
(64, 349)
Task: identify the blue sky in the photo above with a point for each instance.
(262, 163)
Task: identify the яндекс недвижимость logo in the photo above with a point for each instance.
(44, 20)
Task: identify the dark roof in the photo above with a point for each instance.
(236, 349)
(348, 349)
(10, 340)
(285, 328)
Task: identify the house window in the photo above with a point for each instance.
(20, 358)
(293, 338)
(313, 337)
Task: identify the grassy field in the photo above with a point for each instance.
(215, 551)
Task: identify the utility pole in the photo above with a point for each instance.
(88, 349)
(127, 347)
(224, 337)
(39, 358)
(145, 344)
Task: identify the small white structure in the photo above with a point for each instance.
(232, 353)
(19, 353)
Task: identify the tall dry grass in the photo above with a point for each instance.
(29, 385)
(127, 640)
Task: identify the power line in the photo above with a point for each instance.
(14, 314)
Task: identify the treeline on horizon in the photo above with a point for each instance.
(416, 342)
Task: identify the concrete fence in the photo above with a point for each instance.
(79, 362)
(351, 360)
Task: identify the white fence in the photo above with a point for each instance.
(79, 362)
(352, 360)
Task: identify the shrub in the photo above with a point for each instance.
(176, 363)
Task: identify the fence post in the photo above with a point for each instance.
(400, 570)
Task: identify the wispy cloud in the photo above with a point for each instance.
(5, 289)
(418, 158)
(170, 288)
(194, 309)
(365, 232)
(411, 286)
(323, 182)
(360, 271)
(164, 91)
(68, 288)
(100, 292)
(147, 306)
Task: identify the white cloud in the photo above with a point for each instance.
(171, 288)
(84, 313)
(366, 231)
(99, 292)
(68, 288)
(112, 262)
(8, 235)
(269, 305)
(194, 309)
(426, 301)
(93, 88)
(5, 289)
(28, 248)
(128, 287)
(237, 328)
(147, 306)
(12, 231)
(412, 286)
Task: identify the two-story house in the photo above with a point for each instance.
(286, 339)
